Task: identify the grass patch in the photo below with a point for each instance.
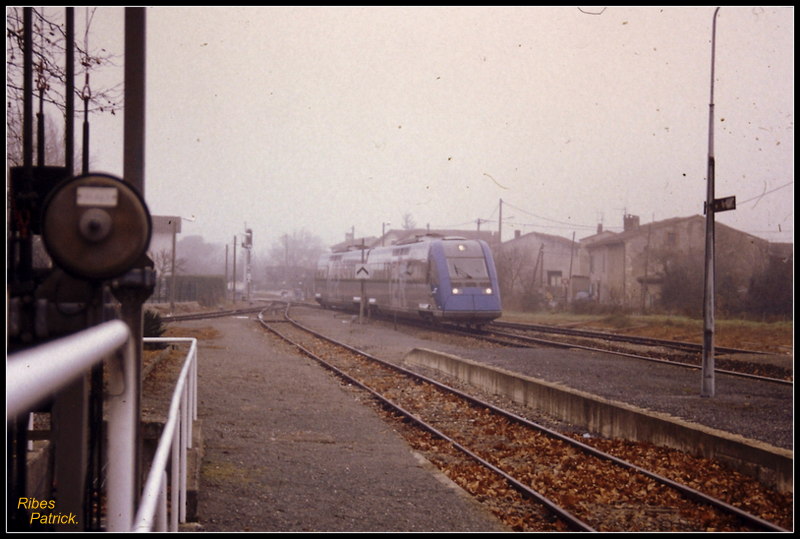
(766, 336)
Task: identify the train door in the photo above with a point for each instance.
(397, 278)
(332, 278)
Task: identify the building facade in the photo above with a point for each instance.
(541, 269)
(628, 268)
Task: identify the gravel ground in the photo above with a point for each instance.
(288, 448)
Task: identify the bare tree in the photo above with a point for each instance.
(49, 53)
(298, 249)
(201, 258)
(511, 262)
(162, 260)
(292, 260)
(408, 222)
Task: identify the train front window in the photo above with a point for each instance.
(466, 265)
(467, 269)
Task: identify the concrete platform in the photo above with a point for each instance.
(613, 419)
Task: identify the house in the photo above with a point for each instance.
(164, 229)
(540, 266)
(162, 250)
(628, 268)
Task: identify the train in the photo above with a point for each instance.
(433, 278)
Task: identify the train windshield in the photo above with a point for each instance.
(467, 269)
(465, 262)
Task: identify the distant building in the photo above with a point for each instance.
(628, 268)
(164, 226)
(540, 268)
(161, 251)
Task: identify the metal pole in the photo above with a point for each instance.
(245, 267)
(249, 274)
(172, 274)
(285, 259)
(363, 289)
(707, 384)
(133, 171)
(233, 288)
(69, 121)
(500, 225)
(123, 441)
(27, 94)
(134, 129)
(568, 291)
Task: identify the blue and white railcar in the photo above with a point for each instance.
(448, 279)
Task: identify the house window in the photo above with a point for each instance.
(554, 278)
(672, 238)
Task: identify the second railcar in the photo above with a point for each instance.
(452, 279)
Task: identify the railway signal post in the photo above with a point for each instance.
(362, 274)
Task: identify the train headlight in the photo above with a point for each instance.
(487, 291)
(456, 291)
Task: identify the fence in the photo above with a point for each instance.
(177, 439)
(32, 376)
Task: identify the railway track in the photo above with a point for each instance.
(677, 353)
(531, 477)
(631, 339)
(211, 314)
(680, 354)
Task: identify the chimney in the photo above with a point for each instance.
(630, 222)
(599, 227)
(517, 234)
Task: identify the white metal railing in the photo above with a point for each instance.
(32, 376)
(176, 438)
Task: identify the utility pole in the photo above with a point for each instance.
(363, 289)
(707, 385)
(500, 225)
(568, 297)
(172, 271)
(247, 244)
(233, 288)
(285, 259)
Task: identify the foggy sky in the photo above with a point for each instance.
(332, 119)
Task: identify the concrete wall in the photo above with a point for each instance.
(770, 465)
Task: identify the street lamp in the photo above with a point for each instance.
(175, 221)
(383, 232)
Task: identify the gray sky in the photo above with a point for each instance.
(325, 119)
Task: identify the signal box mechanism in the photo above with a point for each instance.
(96, 226)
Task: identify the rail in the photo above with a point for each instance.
(32, 376)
